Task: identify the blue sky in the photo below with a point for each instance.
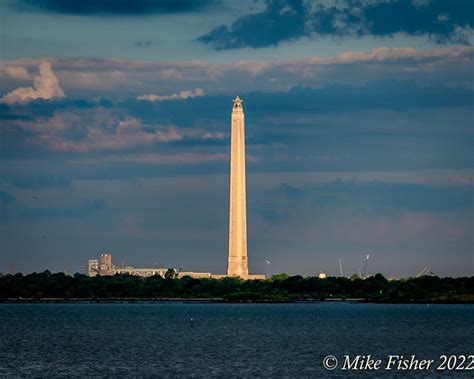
(115, 120)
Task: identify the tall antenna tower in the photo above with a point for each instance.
(341, 271)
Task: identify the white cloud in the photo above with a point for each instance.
(16, 72)
(158, 159)
(209, 135)
(94, 131)
(119, 78)
(45, 86)
(128, 133)
(197, 92)
(90, 80)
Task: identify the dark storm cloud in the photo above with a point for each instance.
(269, 214)
(6, 198)
(46, 108)
(82, 210)
(113, 7)
(284, 20)
(144, 44)
(380, 195)
(281, 20)
(385, 94)
(62, 130)
(40, 181)
(389, 94)
(290, 191)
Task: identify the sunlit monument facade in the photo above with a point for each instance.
(237, 263)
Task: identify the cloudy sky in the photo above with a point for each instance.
(114, 133)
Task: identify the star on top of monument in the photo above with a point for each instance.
(237, 102)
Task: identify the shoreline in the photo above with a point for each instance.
(213, 301)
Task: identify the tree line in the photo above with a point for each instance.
(277, 289)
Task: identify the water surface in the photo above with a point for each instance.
(226, 340)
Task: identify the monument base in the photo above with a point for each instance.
(248, 277)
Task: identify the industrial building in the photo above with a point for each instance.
(107, 268)
(143, 272)
(93, 267)
(106, 264)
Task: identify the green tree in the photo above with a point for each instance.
(281, 276)
(171, 274)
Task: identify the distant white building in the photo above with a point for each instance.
(143, 272)
(106, 267)
(93, 267)
(147, 272)
(195, 275)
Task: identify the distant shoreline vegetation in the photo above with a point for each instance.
(49, 287)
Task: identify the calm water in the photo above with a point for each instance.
(227, 340)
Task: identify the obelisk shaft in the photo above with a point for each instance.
(237, 264)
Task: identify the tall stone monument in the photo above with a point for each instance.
(237, 264)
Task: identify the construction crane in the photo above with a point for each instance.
(341, 271)
(267, 271)
(363, 274)
(425, 271)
